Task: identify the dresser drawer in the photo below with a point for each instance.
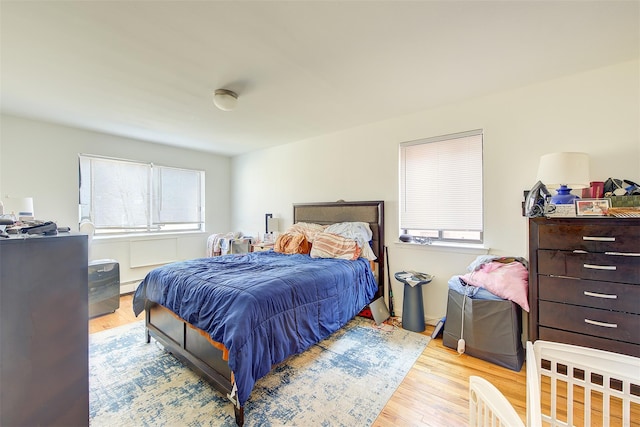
(601, 267)
(590, 321)
(590, 237)
(589, 293)
(557, 335)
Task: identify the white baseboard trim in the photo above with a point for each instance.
(129, 287)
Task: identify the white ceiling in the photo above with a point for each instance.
(147, 69)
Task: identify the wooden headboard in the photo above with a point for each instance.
(371, 212)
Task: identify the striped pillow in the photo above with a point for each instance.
(328, 245)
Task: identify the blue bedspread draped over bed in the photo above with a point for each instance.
(263, 306)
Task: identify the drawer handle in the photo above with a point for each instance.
(599, 239)
(603, 324)
(598, 295)
(600, 267)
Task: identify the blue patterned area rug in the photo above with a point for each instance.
(344, 380)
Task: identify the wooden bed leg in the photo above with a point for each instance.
(239, 415)
(147, 316)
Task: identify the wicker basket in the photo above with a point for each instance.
(632, 212)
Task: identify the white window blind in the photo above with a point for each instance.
(441, 187)
(122, 196)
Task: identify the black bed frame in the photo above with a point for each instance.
(193, 346)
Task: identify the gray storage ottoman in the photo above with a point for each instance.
(104, 287)
(492, 329)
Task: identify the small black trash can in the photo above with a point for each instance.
(412, 306)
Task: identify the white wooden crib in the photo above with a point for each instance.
(567, 385)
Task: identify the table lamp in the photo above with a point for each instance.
(21, 208)
(564, 171)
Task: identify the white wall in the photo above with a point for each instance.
(596, 112)
(40, 160)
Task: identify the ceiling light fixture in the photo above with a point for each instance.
(225, 99)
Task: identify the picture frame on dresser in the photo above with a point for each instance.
(584, 282)
(592, 207)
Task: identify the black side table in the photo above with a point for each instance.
(412, 306)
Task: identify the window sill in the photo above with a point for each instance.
(146, 236)
(467, 248)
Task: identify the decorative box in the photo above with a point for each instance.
(625, 201)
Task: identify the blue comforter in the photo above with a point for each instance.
(263, 306)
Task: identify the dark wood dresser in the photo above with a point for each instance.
(44, 365)
(584, 282)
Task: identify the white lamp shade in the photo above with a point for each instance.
(225, 99)
(273, 225)
(87, 227)
(20, 207)
(570, 169)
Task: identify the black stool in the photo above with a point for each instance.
(412, 306)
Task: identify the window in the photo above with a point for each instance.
(441, 188)
(122, 196)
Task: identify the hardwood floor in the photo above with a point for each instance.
(122, 316)
(434, 392)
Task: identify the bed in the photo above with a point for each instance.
(231, 318)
